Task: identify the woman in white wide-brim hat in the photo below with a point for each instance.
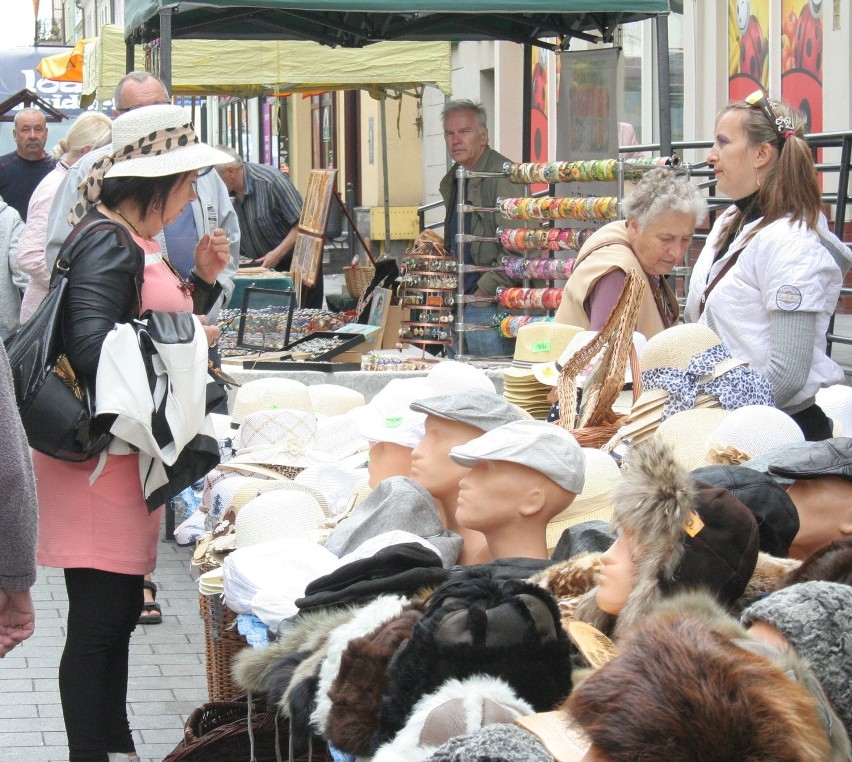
(94, 522)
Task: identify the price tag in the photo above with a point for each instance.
(541, 346)
(596, 647)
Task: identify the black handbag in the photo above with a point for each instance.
(56, 407)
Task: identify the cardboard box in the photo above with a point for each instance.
(392, 324)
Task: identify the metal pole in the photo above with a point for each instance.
(129, 56)
(385, 169)
(166, 48)
(350, 205)
(461, 193)
(664, 79)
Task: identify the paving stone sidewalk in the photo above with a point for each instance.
(167, 671)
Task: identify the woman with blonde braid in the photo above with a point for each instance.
(770, 274)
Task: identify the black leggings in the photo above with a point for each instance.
(103, 608)
(814, 423)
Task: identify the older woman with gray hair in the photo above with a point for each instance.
(660, 218)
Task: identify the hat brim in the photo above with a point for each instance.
(183, 159)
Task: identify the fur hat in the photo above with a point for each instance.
(456, 708)
(479, 625)
(501, 742)
(681, 690)
(356, 692)
(831, 563)
(816, 619)
(684, 534)
(366, 620)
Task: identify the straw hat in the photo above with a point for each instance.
(248, 492)
(270, 393)
(836, 403)
(183, 154)
(750, 431)
(282, 429)
(690, 435)
(676, 346)
(594, 502)
(280, 513)
(333, 399)
(542, 341)
(337, 440)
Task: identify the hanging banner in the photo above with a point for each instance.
(748, 46)
(801, 58)
(538, 109)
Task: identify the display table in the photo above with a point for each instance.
(367, 382)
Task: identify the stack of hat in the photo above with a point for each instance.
(537, 343)
(671, 350)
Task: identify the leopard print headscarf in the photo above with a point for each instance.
(153, 144)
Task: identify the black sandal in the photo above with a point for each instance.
(151, 611)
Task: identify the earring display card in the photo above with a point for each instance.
(265, 319)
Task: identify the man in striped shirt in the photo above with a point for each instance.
(268, 207)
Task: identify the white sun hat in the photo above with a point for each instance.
(182, 153)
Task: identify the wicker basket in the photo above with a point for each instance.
(358, 278)
(222, 642)
(218, 732)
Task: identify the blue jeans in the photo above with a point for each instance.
(483, 343)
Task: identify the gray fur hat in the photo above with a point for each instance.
(493, 743)
(816, 619)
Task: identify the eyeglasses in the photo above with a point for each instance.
(781, 124)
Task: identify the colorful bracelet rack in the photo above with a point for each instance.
(519, 268)
(529, 298)
(552, 172)
(550, 239)
(581, 208)
(508, 325)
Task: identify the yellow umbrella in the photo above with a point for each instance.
(65, 67)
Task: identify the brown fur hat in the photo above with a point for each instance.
(356, 693)
(831, 563)
(655, 502)
(681, 690)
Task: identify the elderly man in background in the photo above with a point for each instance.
(268, 207)
(23, 169)
(210, 210)
(466, 136)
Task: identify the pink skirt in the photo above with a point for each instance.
(104, 525)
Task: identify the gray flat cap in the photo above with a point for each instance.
(543, 447)
(477, 407)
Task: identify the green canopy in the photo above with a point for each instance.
(354, 23)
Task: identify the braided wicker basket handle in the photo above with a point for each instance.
(616, 337)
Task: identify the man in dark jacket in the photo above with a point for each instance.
(466, 135)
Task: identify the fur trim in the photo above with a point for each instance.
(652, 503)
(253, 667)
(456, 708)
(680, 690)
(767, 576)
(831, 563)
(571, 578)
(356, 693)
(363, 622)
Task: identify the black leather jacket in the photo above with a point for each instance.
(104, 288)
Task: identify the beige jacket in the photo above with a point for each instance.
(607, 250)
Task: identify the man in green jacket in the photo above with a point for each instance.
(466, 136)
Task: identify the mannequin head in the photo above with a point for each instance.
(522, 475)
(388, 459)
(431, 466)
(824, 506)
(617, 576)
